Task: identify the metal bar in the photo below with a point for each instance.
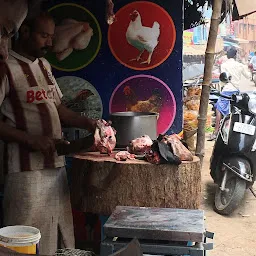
(156, 248)
(224, 180)
(106, 249)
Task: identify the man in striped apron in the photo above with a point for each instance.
(36, 189)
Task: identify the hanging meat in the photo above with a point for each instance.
(105, 139)
(71, 35)
(110, 16)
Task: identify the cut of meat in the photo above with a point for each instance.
(178, 148)
(140, 145)
(153, 157)
(105, 139)
(124, 155)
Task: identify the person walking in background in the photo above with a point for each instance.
(232, 72)
(252, 64)
(236, 69)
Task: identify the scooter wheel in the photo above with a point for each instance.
(227, 201)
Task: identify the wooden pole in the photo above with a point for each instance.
(207, 80)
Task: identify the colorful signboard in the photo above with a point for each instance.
(188, 37)
(134, 64)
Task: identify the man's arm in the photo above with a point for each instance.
(10, 134)
(73, 119)
(43, 144)
(245, 71)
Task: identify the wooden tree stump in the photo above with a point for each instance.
(100, 183)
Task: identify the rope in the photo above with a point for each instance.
(201, 118)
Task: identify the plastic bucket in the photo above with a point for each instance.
(22, 239)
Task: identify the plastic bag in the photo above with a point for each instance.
(193, 104)
(178, 148)
(190, 120)
(194, 91)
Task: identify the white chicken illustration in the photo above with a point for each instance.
(70, 35)
(141, 37)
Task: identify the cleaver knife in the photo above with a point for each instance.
(75, 146)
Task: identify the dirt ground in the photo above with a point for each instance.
(234, 235)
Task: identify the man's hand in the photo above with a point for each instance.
(73, 119)
(92, 125)
(44, 144)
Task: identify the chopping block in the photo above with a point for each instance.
(161, 231)
(100, 183)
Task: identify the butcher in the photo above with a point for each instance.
(36, 189)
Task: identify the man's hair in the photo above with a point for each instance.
(231, 53)
(31, 21)
(34, 6)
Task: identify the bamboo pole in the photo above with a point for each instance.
(207, 80)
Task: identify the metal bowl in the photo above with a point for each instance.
(131, 125)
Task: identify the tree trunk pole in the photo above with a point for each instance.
(207, 80)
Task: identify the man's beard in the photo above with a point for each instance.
(44, 51)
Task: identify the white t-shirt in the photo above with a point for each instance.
(236, 70)
(228, 87)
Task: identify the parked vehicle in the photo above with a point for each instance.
(233, 161)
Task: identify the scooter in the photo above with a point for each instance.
(233, 161)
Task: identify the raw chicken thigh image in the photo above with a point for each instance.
(141, 37)
(71, 35)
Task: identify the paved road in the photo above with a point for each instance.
(234, 235)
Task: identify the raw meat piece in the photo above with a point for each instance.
(178, 148)
(105, 139)
(161, 153)
(110, 16)
(140, 145)
(124, 155)
(153, 157)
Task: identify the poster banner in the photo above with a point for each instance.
(188, 38)
(135, 64)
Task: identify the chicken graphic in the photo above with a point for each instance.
(71, 35)
(141, 37)
(78, 100)
(152, 104)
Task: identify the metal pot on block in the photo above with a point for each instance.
(131, 125)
